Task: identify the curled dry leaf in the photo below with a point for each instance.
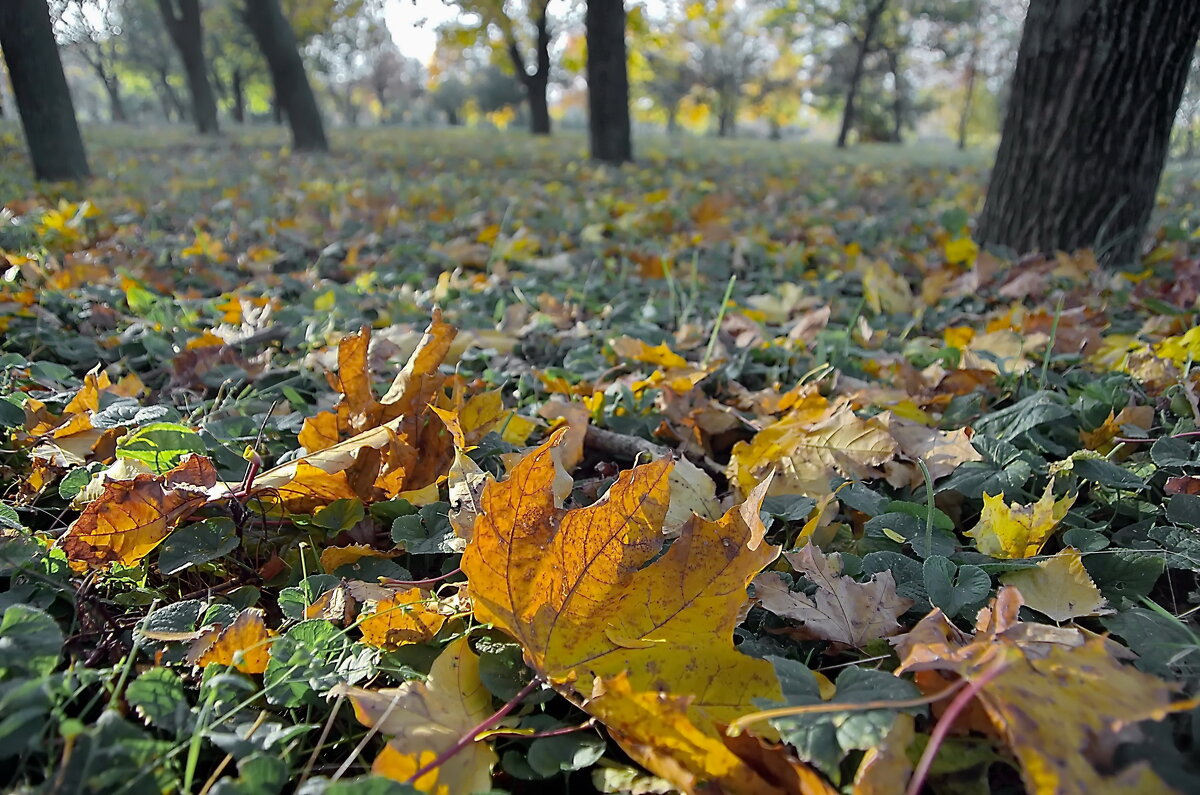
(588, 595)
(1009, 531)
(842, 610)
(132, 517)
(244, 644)
(423, 719)
(808, 445)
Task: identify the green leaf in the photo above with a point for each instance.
(1168, 452)
(1165, 645)
(9, 517)
(1024, 415)
(1184, 509)
(197, 543)
(1124, 573)
(159, 699)
(953, 588)
(30, 641)
(11, 413)
(550, 756)
(339, 515)
(161, 445)
(1106, 473)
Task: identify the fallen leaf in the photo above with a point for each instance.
(1008, 531)
(245, 644)
(423, 719)
(404, 618)
(1059, 587)
(587, 594)
(575, 417)
(885, 769)
(843, 610)
(333, 558)
(1054, 703)
(132, 517)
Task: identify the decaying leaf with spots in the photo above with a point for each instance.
(132, 517)
(423, 719)
(245, 644)
(1059, 587)
(587, 594)
(1056, 696)
(842, 610)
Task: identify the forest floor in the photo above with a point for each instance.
(972, 485)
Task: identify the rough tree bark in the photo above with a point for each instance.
(608, 82)
(40, 89)
(293, 93)
(537, 81)
(1094, 95)
(874, 12)
(183, 22)
(238, 88)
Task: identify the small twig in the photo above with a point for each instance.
(587, 724)
(622, 446)
(312, 759)
(418, 583)
(470, 736)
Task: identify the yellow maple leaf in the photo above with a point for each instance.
(885, 290)
(1180, 349)
(132, 517)
(1008, 531)
(587, 594)
(961, 250)
(1059, 587)
(404, 618)
(809, 444)
(1053, 694)
(245, 644)
(423, 719)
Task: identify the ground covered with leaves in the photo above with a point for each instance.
(452, 461)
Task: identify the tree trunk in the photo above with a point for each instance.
(1086, 133)
(893, 58)
(964, 117)
(170, 99)
(239, 96)
(112, 87)
(183, 23)
(536, 82)
(293, 92)
(40, 91)
(860, 58)
(608, 82)
(452, 118)
(673, 120)
(724, 122)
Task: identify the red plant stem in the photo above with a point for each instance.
(419, 583)
(470, 736)
(1130, 440)
(938, 735)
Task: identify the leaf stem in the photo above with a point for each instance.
(938, 736)
(419, 583)
(712, 338)
(483, 726)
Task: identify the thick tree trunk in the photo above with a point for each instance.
(293, 92)
(608, 82)
(452, 118)
(183, 22)
(1088, 125)
(860, 58)
(239, 96)
(40, 90)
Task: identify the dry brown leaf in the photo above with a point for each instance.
(842, 610)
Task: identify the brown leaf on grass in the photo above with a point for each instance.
(404, 618)
(132, 517)
(245, 644)
(1055, 695)
(842, 610)
(588, 595)
(423, 719)
(942, 451)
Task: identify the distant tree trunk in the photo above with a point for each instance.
(239, 96)
(673, 119)
(536, 82)
(40, 90)
(893, 59)
(183, 22)
(860, 58)
(608, 82)
(112, 87)
(169, 98)
(725, 123)
(964, 117)
(776, 128)
(1085, 137)
(452, 118)
(293, 92)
